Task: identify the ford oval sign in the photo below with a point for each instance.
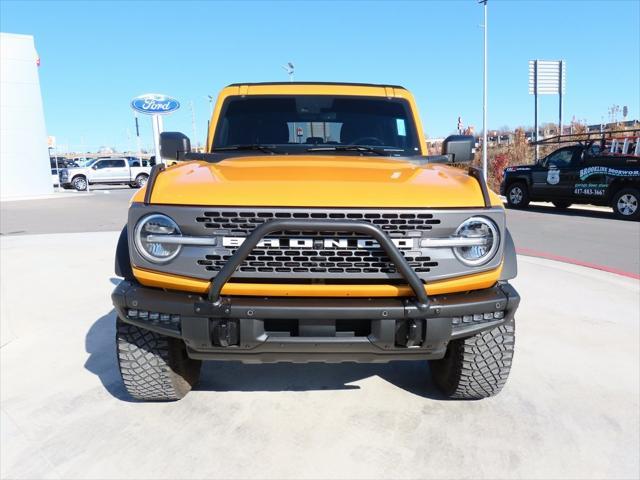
(155, 104)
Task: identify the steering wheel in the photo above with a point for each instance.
(367, 141)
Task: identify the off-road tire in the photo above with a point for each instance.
(80, 183)
(562, 205)
(515, 200)
(476, 367)
(631, 194)
(154, 367)
(141, 180)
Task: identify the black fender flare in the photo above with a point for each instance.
(123, 260)
(510, 262)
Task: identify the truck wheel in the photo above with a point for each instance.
(517, 195)
(141, 180)
(476, 367)
(154, 367)
(562, 205)
(626, 204)
(79, 183)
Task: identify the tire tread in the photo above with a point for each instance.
(477, 367)
(148, 364)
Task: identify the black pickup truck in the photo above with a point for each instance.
(585, 173)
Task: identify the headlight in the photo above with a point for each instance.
(147, 241)
(480, 228)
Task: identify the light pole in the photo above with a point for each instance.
(484, 94)
(289, 68)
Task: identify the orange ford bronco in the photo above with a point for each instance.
(315, 228)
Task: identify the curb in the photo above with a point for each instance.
(558, 258)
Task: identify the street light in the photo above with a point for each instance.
(484, 94)
(289, 68)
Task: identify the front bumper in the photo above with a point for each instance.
(272, 329)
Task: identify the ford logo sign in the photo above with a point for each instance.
(155, 104)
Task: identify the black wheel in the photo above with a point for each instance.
(154, 367)
(476, 367)
(626, 204)
(517, 195)
(141, 180)
(562, 205)
(79, 183)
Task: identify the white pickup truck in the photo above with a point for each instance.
(109, 171)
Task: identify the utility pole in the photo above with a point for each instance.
(484, 93)
(210, 97)
(138, 137)
(193, 121)
(289, 68)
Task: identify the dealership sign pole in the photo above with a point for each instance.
(156, 105)
(547, 77)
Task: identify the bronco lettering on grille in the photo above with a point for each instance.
(325, 243)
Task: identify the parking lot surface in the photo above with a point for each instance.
(570, 409)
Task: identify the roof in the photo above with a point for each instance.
(319, 83)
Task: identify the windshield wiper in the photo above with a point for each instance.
(356, 148)
(254, 146)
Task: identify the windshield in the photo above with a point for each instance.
(300, 124)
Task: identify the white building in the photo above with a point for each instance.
(24, 158)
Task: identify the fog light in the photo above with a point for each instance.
(467, 318)
(488, 316)
(498, 315)
(132, 313)
(477, 317)
(164, 317)
(143, 314)
(456, 320)
(154, 315)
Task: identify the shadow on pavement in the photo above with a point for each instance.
(232, 376)
(570, 212)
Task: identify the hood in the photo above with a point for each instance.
(316, 181)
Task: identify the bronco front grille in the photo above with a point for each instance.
(327, 259)
(318, 262)
(243, 222)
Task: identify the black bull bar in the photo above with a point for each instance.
(351, 226)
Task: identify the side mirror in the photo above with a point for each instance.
(459, 148)
(173, 145)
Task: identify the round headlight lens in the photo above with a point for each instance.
(479, 228)
(148, 238)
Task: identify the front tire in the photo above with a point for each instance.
(626, 204)
(154, 367)
(517, 195)
(80, 184)
(476, 367)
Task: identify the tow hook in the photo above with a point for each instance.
(409, 333)
(225, 333)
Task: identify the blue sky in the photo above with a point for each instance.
(96, 56)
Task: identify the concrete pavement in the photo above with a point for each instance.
(570, 409)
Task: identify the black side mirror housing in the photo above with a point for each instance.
(459, 148)
(174, 145)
